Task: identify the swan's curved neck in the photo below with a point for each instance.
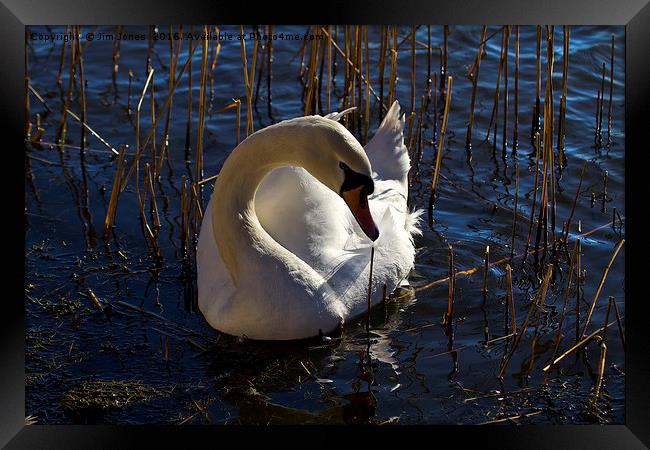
(242, 241)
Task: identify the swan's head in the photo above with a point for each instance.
(340, 162)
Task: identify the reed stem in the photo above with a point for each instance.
(436, 175)
(600, 287)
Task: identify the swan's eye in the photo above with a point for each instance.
(355, 179)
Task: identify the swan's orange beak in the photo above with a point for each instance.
(357, 201)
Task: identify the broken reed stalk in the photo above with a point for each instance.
(412, 107)
(510, 299)
(372, 260)
(150, 234)
(505, 95)
(600, 287)
(447, 318)
(311, 96)
(612, 300)
(152, 110)
(252, 80)
(611, 91)
(138, 149)
(415, 143)
(549, 115)
(116, 54)
(428, 63)
(184, 215)
(435, 109)
(303, 50)
(115, 192)
(580, 344)
(236, 103)
(393, 68)
(441, 141)
(62, 58)
(78, 119)
(248, 83)
(366, 90)
(202, 105)
(96, 301)
(261, 69)
(213, 66)
(328, 93)
(188, 127)
(82, 80)
(445, 53)
(269, 75)
(473, 76)
(129, 110)
(149, 48)
(544, 286)
(486, 267)
(173, 63)
(152, 194)
(358, 45)
(515, 135)
(601, 372)
(543, 202)
(346, 78)
(539, 300)
(618, 322)
(578, 284)
(604, 193)
(382, 66)
(68, 99)
(599, 108)
(536, 125)
(207, 180)
(562, 118)
(198, 211)
(575, 201)
(572, 267)
(532, 210)
(514, 216)
(494, 117)
(28, 120)
(603, 335)
(352, 46)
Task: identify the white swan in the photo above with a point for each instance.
(280, 255)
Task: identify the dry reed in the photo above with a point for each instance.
(447, 318)
(600, 287)
(441, 141)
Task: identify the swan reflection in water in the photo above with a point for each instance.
(248, 374)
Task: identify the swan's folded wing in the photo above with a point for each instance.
(386, 150)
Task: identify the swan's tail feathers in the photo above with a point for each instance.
(386, 150)
(413, 222)
(336, 116)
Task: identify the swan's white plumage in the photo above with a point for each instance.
(320, 278)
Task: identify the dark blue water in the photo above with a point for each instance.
(417, 379)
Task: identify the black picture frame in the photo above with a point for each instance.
(16, 14)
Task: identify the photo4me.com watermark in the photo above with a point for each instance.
(221, 36)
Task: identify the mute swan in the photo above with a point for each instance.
(284, 247)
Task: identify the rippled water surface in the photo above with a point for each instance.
(174, 368)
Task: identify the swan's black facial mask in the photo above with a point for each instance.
(355, 190)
